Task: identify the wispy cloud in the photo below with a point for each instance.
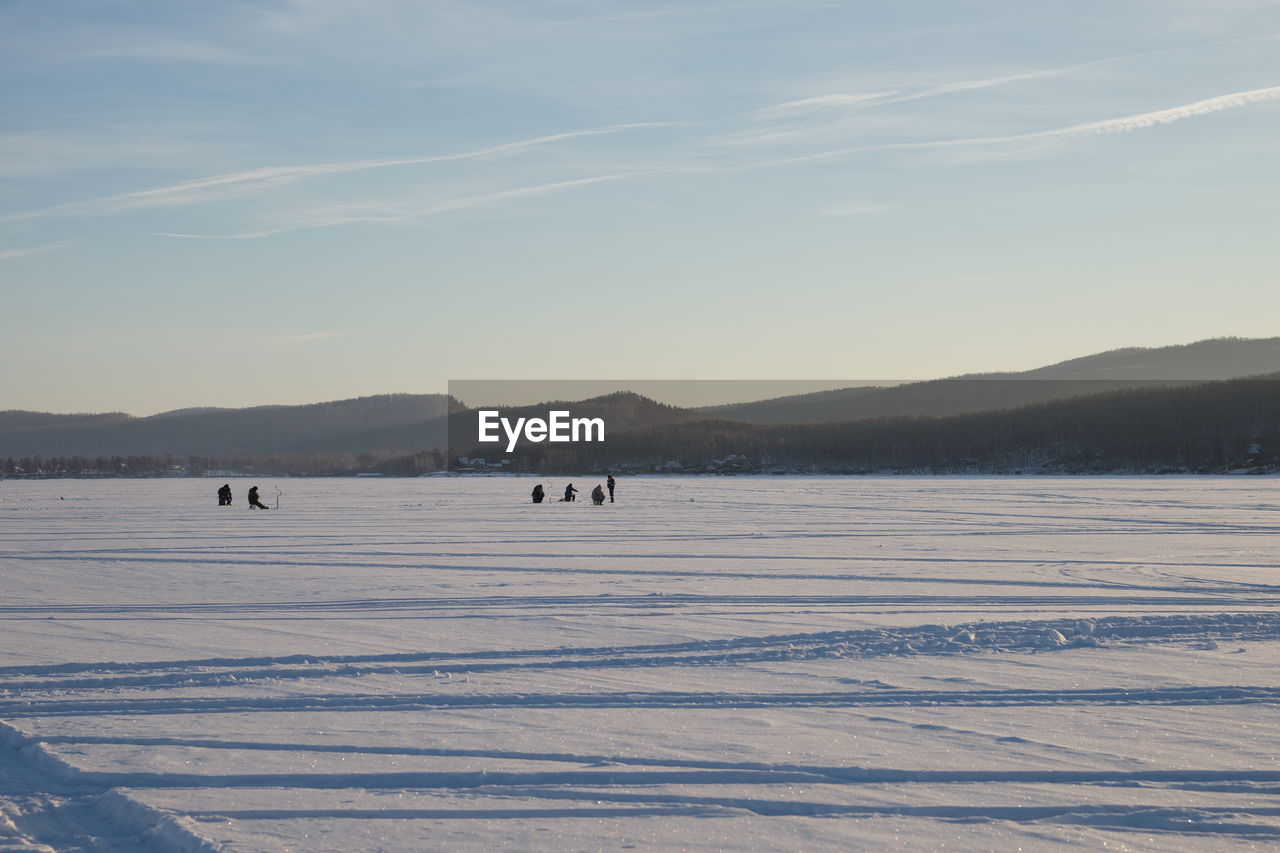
(1122, 124)
(830, 112)
(827, 101)
(11, 254)
(257, 180)
(383, 213)
(840, 103)
(897, 96)
(877, 99)
(821, 115)
(111, 143)
(1125, 124)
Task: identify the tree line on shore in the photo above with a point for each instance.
(169, 465)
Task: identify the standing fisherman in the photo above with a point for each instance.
(609, 483)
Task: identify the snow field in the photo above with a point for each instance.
(779, 663)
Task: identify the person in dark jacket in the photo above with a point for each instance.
(224, 495)
(254, 503)
(538, 494)
(569, 492)
(609, 483)
(597, 495)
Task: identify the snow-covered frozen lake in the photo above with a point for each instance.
(708, 664)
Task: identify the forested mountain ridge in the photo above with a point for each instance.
(1115, 370)
(348, 424)
(1215, 358)
(369, 432)
(1211, 427)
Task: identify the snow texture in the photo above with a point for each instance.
(779, 663)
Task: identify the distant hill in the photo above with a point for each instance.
(14, 420)
(414, 423)
(1216, 358)
(383, 422)
(1208, 427)
(1116, 370)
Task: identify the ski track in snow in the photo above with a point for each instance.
(428, 664)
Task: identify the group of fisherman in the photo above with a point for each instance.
(571, 494)
(224, 497)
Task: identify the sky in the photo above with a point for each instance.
(246, 203)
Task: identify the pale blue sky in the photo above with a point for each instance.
(240, 203)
